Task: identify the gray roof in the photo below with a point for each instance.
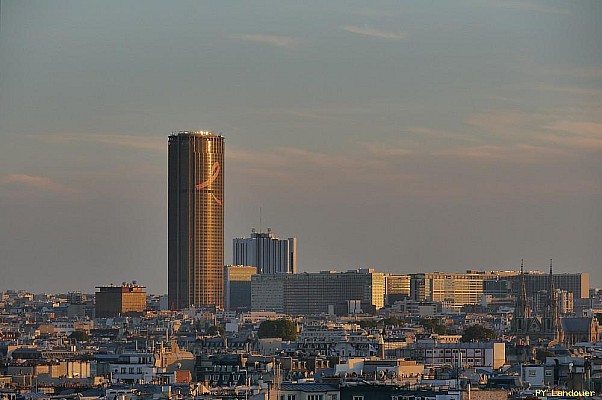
(309, 387)
(580, 324)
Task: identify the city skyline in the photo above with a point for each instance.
(401, 136)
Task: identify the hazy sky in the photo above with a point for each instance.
(407, 136)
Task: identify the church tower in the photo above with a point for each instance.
(552, 326)
(521, 320)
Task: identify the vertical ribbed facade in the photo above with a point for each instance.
(269, 254)
(314, 293)
(195, 219)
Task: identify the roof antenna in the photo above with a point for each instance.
(260, 231)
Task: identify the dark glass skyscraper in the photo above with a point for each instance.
(195, 219)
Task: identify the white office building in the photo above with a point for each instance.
(266, 252)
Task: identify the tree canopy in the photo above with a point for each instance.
(80, 336)
(541, 354)
(392, 321)
(280, 328)
(215, 330)
(368, 323)
(433, 325)
(478, 333)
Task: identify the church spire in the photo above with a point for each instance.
(551, 278)
(522, 304)
(521, 320)
(552, 319)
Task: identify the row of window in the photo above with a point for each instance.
(455, 351)
(131, 370)
(316, 397)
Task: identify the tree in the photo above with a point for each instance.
(541, 354)
(392, 321)
(367, 323)
(215, 330)
(433, 325)
(280, 328)
(80, 336)
(478, 333)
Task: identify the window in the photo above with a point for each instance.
(360, 397)
(332, 397)
(315, 397)
(549, 372)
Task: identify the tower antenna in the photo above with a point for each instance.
(260, 231)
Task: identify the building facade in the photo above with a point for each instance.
(195, 219)
(537, 281)
(397, 287)
(455, 290)
(451, 288)
(472, 355)
(317, 293)
(124, 300)
(237, 287)
(266, 252)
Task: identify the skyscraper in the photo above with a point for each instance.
(266, 252)
(195, 219)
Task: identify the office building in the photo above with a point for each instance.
(237, 287)
(488, 355)
(537, 281)
(125, 300)
(452, 289)
(455, 289)
(354, 291)
(397, 287)
(195, 219)
(565, 302)
(266, 252)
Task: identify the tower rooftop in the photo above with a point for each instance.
(196, 133)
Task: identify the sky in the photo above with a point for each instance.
(407, 136)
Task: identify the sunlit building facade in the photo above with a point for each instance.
(195, 219)
(319, 292)
(397, 287)
(124, 300)
(453, 289)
